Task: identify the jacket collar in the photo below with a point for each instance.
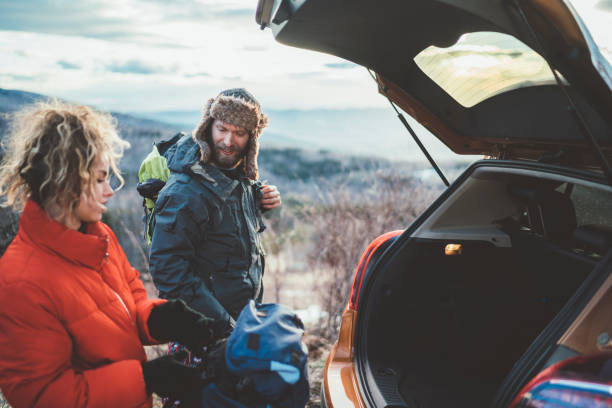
(182, 155)
(89, 249)
(185, 157)
(217, 182)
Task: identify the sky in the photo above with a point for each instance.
(135, 55)
(159, 55)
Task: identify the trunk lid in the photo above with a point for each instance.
(474, 72)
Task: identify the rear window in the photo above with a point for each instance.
(483, 64)
(592, 206)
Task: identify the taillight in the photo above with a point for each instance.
(363, 265)
(584, 381)
(567, 393)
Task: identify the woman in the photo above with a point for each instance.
(73, 313)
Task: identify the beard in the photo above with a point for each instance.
(227, 157)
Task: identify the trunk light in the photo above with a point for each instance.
(453, 249)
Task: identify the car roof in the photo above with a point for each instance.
(529, 119)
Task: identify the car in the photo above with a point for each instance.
(499, 294)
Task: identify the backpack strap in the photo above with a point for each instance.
(164, 145)
(258, 195)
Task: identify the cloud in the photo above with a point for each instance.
(242, 12)
(68, 65)
(304, 75)
(154, 23)
(113, 19)
(341, 65)
(201, 11)
(84, 18)
(135, 66)
(197, 75)
(256, 48)
(604, 5)
(17, 77)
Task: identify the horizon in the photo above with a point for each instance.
(310, 130)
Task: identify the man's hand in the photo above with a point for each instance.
(271, 197)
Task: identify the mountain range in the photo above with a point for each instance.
(303, 142)
(372, 132)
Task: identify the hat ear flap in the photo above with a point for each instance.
(199, 136)
(263, 122)
(250, 163)
(251, 169)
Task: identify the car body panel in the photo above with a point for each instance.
(339, 371)
(525, 123)
(581, 374)
(592, 322)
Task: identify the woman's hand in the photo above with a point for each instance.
(167, 376)
(175, 321)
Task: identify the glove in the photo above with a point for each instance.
(168, 377)
(223, 328)
(175, 321)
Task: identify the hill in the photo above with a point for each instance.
(140, 132)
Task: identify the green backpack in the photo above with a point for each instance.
(152, 177)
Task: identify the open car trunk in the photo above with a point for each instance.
(441, 330)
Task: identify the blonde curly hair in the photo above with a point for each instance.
(52, 148)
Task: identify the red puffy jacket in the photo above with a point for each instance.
(73, 316)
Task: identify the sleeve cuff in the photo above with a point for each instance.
(144, 311)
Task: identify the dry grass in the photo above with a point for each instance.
(345, 222)
(316, 247)
(318, 349)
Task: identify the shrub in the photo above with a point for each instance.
(350, 214)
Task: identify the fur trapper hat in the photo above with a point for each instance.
(237, 107)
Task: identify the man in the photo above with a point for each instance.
(205, 247)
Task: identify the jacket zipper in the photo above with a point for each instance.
(124, 306)
(245, 203)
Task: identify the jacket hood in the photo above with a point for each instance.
(185, 157)
(183, 154)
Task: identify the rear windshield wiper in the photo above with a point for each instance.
(413, 134)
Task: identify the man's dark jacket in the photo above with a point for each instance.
(206, 247)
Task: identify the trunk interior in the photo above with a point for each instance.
(446, 330)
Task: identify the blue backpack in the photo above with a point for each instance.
(262, 363)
